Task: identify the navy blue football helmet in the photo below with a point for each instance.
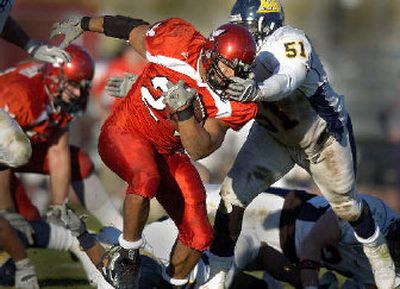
(261, 17)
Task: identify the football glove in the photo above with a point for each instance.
(69, 27)
(73, 222)
(47, 53)
(120, 86)
(178, 95)
(120, 267)
(54, 213)
(19, 223)
(242, 90)
(25, 275)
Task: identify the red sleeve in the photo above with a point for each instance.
(241, 114)
(174, 37)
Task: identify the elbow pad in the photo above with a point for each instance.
(120, 26)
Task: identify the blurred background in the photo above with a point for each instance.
(357, 41)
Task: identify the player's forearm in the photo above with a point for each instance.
(13, 33)
(60, 174)
(195, 139)
(282, 84)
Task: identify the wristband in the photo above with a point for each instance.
(85, 23)
(130, 244)
(308, 264)
(185, 114)
(86, 240)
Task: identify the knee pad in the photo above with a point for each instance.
(348, 210)
(228, 195)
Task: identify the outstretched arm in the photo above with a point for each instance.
(13, 33)
(121, 27)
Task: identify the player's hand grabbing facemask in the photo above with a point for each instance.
(178, 96)
(242, 89)
(47, 53)
(70, 28)
(120, 86)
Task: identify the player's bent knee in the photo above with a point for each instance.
(348, 210)
(228, 195)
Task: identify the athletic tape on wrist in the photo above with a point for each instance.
(185, 114)
(86, 241)
(85, 23)
(130, 244)
(308, 264)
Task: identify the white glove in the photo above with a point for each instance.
(178, 95)
(25, 275)
(19, 223)
(120, 86)
(47, 53)
(242, 89)
(70, 27)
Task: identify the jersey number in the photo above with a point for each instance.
(158, 82)
(292, 49)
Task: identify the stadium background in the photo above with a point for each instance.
(358, 43)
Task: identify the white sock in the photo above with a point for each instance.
(60, 238)
(98, 202)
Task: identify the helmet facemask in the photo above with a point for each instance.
(68, 84)
(230, 51)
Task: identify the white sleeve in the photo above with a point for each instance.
(291, 51)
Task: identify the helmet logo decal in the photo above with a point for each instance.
(269, 6)
(216, 33)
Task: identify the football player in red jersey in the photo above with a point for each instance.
(145, 137)
(44, 99)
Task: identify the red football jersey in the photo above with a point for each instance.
(173, 51)
(23, 96)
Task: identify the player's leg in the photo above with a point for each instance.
(332, 169)
(260, 162)
(25, 275)
(182, 195)
(133, 159)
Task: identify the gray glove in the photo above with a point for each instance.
(73, 222)
(70, 27)
(54, 214)
(178, 95)
(19, 223)
(47, 53)
(242, 89)
(120, 86)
